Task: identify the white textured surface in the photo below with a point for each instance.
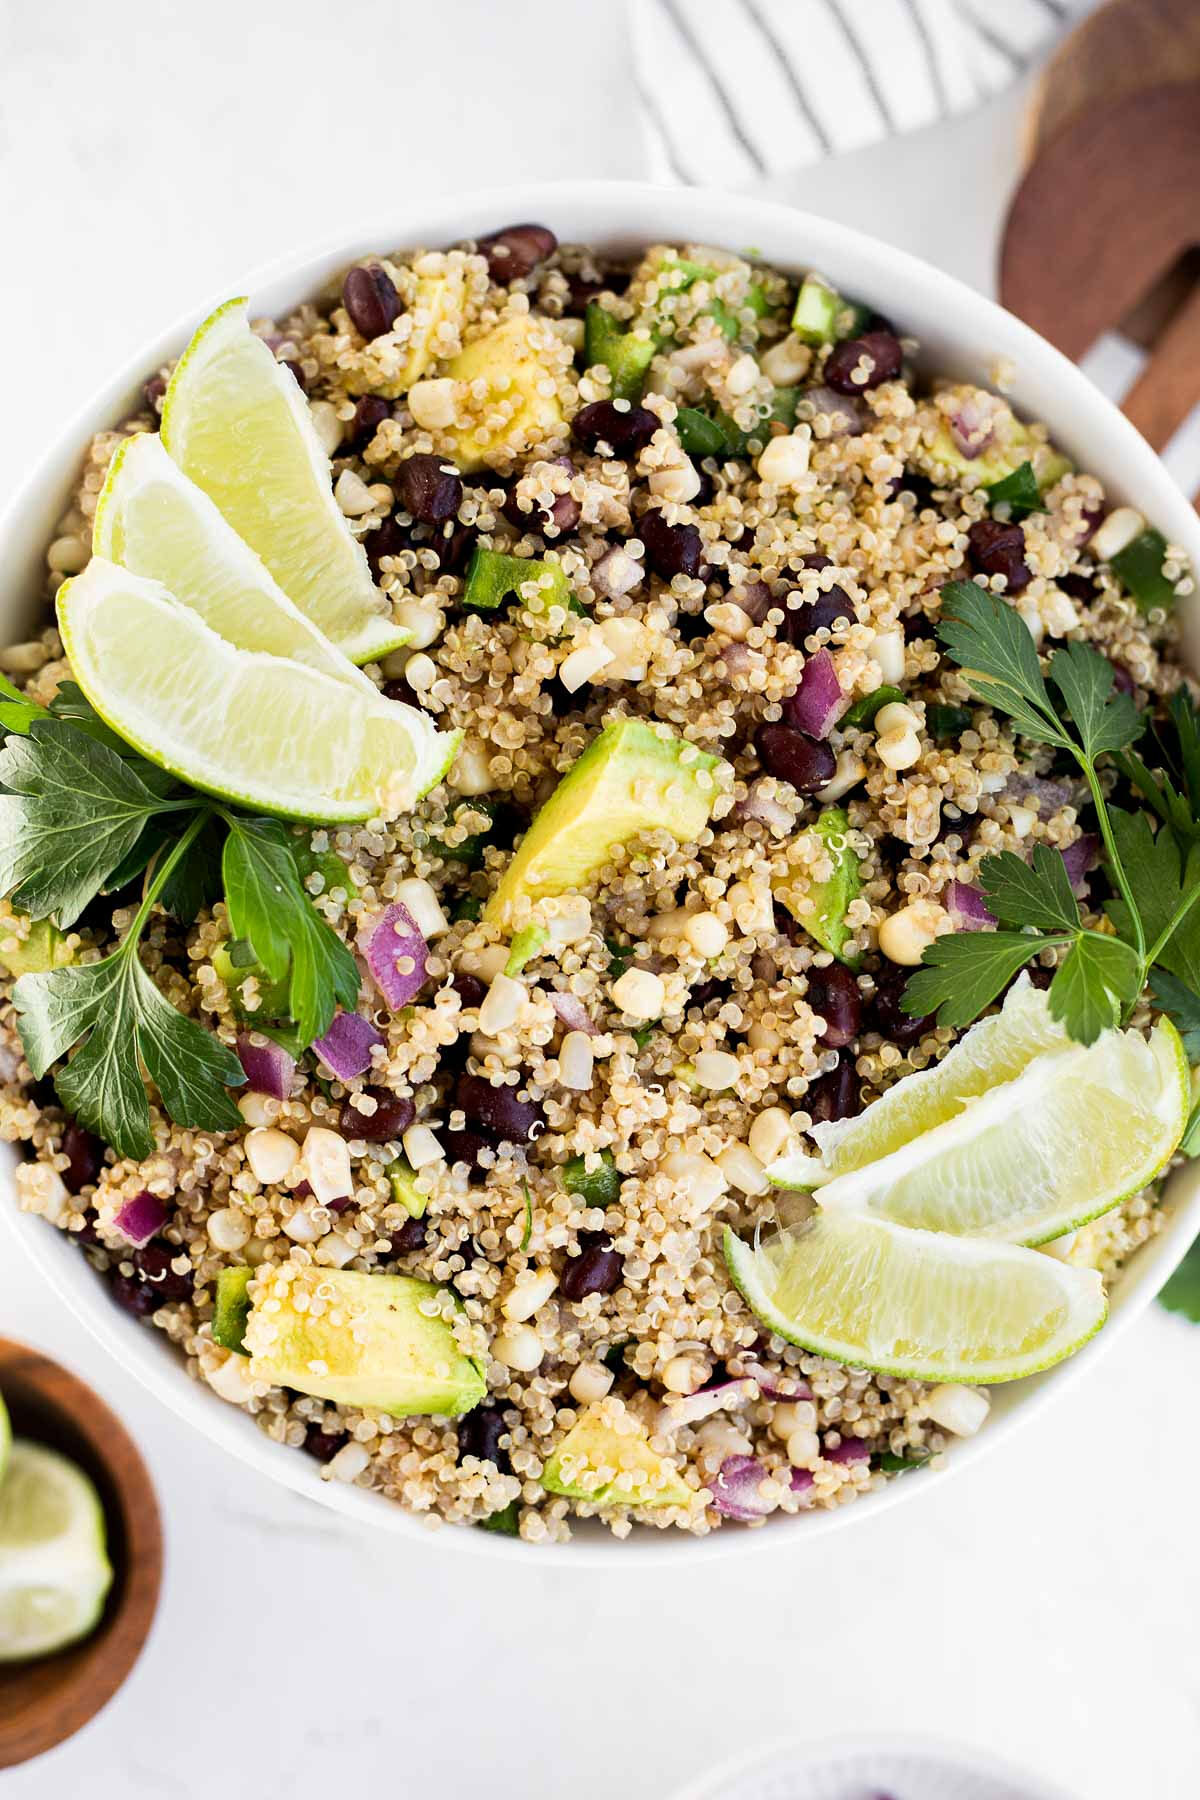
(1043, 1605)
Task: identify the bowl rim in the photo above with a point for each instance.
(980, 333)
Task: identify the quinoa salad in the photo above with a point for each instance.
(655, 553)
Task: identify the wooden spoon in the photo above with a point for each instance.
(1103, 230)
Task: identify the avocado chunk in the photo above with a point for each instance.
(493, 577)
(236, 964)
(1139, 567)
(600, 1186)
(821, 316)
(1011, 446)
(231, 1309)
(628, 781)
(625, 354)
(360, 1340)
(529, 942)
(821, 906)
(606, 1458)
(43, 947)
(514, 362)
(403, 1182)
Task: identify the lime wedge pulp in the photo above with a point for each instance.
(994, 1051)
(916, 1304)
(237, 424)
(261, 731)
(1076, 1133)
(54, 1567)
(153, 521)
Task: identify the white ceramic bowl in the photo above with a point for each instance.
(960, 334)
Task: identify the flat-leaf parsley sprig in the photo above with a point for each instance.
(82, 814)
(1154, 935)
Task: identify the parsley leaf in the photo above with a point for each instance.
(1039, 895)
(961, 975)
(991, 644)
(125, 1022)
(71, 813)
(1182, 1292)
(1099, 972)
(1104, 719)
(268, 906)
(1181, 1004)
(17, 713)
(1019, 491)
(1161, 884)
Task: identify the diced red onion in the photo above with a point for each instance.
(1079, 858)
(269, 1068)
(394, 938)
(689, 1409)
(754, 599)
(1049, 795)
(772, 1387)
(617, 573)
(851, 1449)
(573, 1013)
(347, 1045)
(758, 804)
(738, 658)
(801, 1482)
(818, 703)
(852, 412)
(141, 1218)
(737, 1489)
(967, 907)
(973, 427)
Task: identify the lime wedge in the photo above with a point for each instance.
(995, 1050)
(261, 731)
(1079, 1131)
(863, 1291)
(54, 1568)
(237, 424)
(153, 521)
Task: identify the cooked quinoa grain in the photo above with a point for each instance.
(727, 508)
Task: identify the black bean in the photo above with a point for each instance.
(713, 989)
(153, 1264)
(583, 288)
(388, 539)
(793, 757)
(371, 300)
(153, 392)
(479, 1434)
(517, 250)
(496, 1112)
(85, 1155)
(670, 549)
(90, 1234)
(466, 1147)
(454, 550)
(408, 1237)
(369, 414)
(834, 994)
(1122, 679)
(294, 369)
(624, 433)
(429, 488)
(820, 614)
(563, 513)
(324, 1445)
(883, 350)
(469, 989)
(997, 549)
(391, 1118)
(887, 1016)
(596, 1270)
(133, 1296)
(1079, 586)
(836, 1095)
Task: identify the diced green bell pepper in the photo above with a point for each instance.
(863, 711)
(626, 354)
(599, 1187)
(493, 578)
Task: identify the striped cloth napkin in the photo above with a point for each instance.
(732, 90)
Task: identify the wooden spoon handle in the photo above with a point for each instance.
(1169, 386)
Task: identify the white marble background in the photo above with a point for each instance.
(1042, 1605)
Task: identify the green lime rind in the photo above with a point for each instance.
(238, 425)
(1077, 1132)
(850, 1288)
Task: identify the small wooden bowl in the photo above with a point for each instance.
(44, 1702)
